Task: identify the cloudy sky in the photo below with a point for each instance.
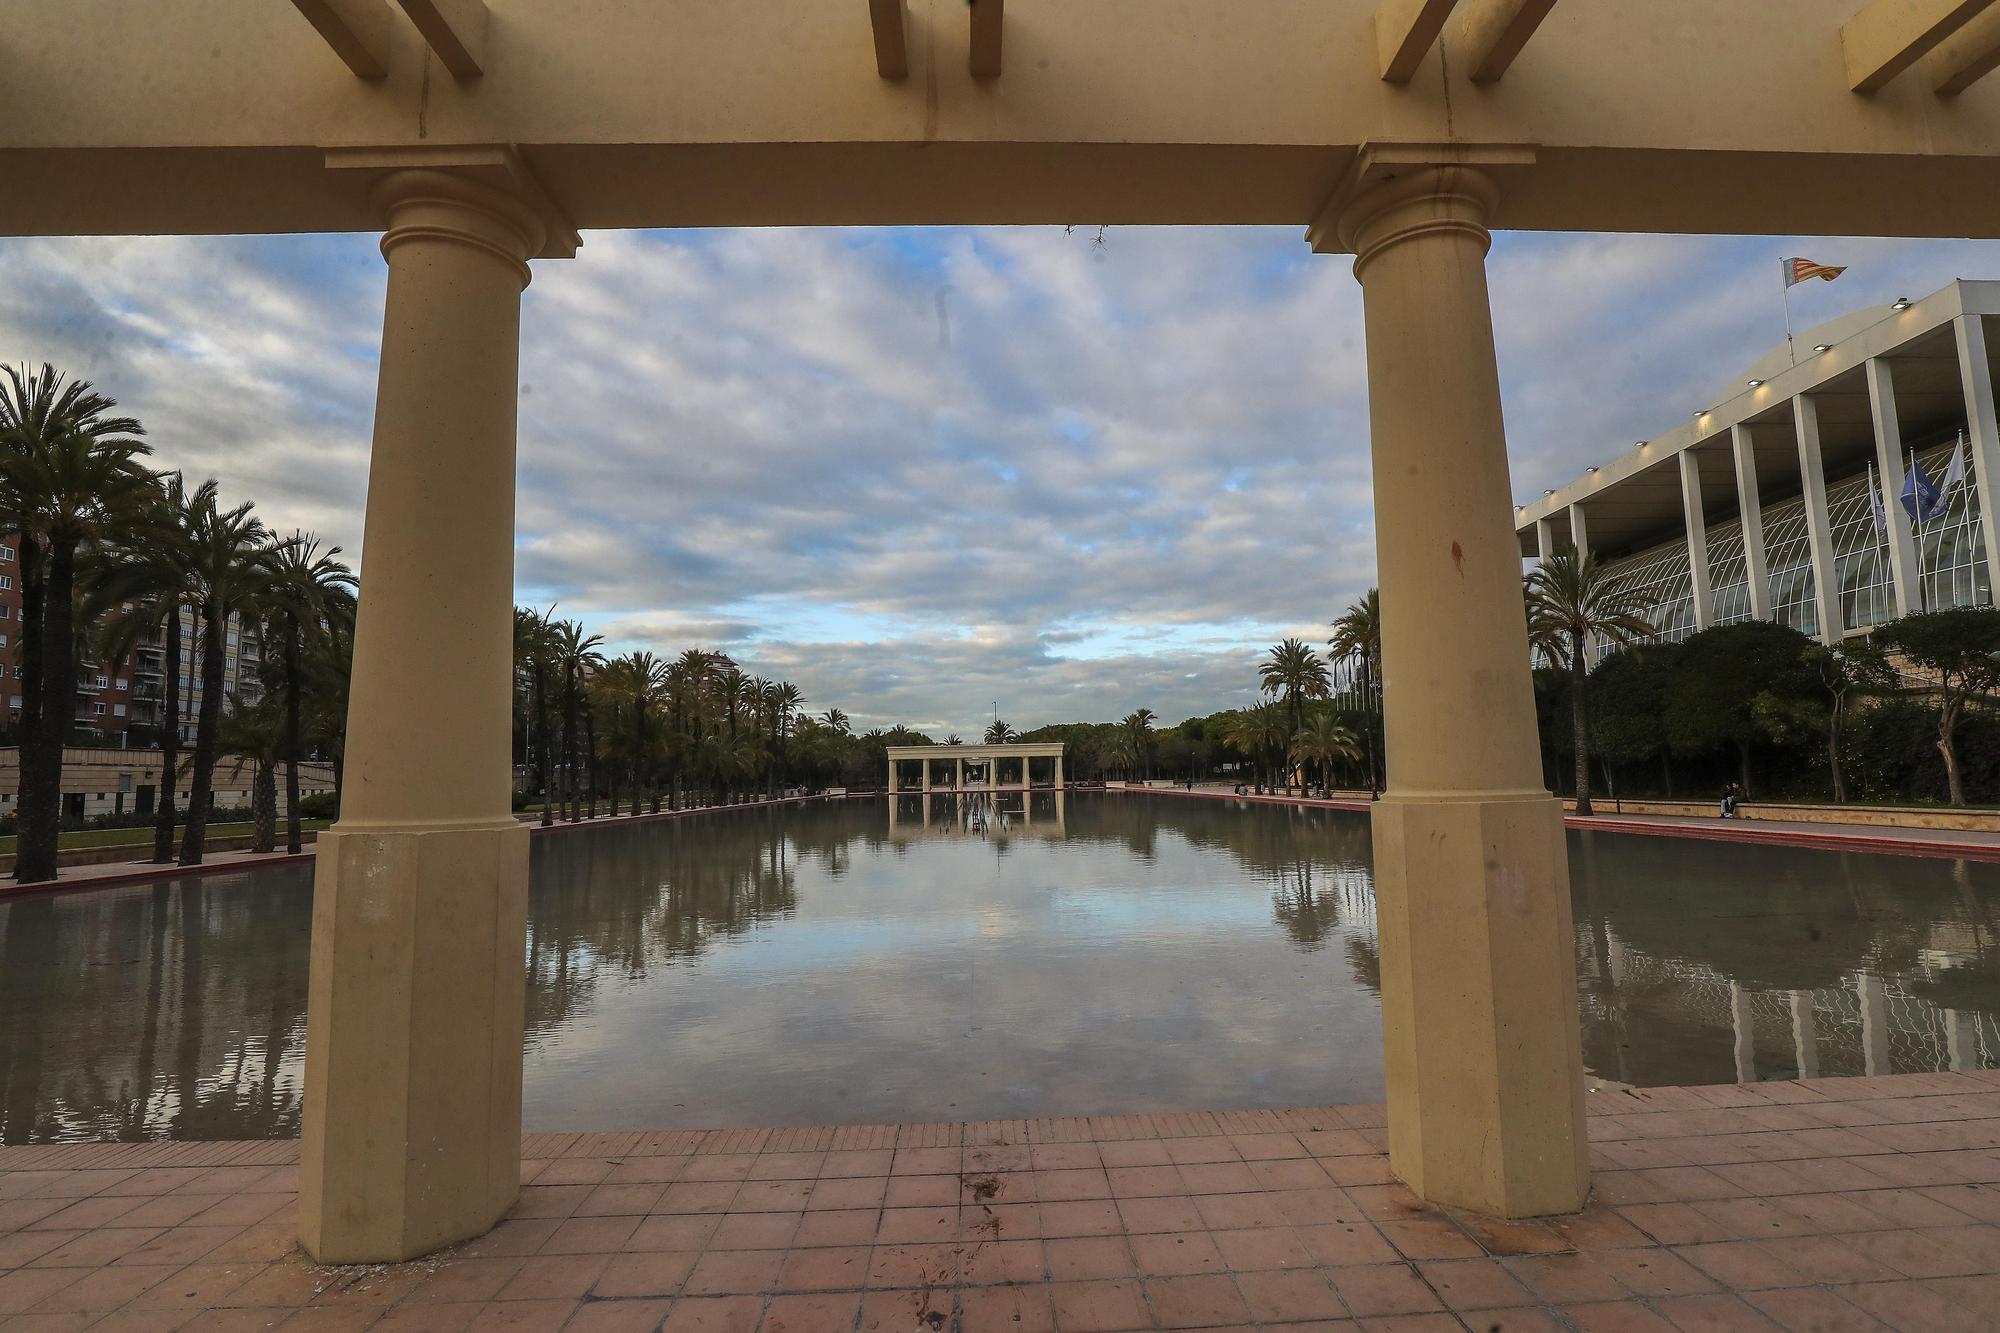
(922, 473)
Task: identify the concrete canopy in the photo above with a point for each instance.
(1699, 116)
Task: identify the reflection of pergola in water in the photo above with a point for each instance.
(986, 813)
(1012, 764)
(480, 136)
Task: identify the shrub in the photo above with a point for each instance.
(320, 805)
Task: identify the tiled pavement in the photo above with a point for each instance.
(1829, 1205)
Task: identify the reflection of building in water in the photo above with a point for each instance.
(1866, 1024)
(980, 814)
(1014, 764)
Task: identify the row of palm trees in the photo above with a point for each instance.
(1291, 728)
(645, 729)
(112, 554)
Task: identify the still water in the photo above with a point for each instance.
(830, 963)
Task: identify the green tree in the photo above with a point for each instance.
(1853, 669)
(1357, 638)
(575, 656)
(229, 569)
(1323, 742)
(1295, 672)
(309, 594)
(534, 663)
(1733, 681)
(70, 477)
(1000, 733)
(1572, 596)
(1628, 705)
(1959, 651)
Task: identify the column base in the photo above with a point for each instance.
(412, 1116)
(1481, 1047)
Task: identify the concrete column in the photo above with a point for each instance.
(1545, 539)
(1479, 1011)
(1059, 773)
(1819, 529)
(1750, 504)
(1983, 431)
(1579, 529)
(1889, 476)
(1805, 1034)
(1742, 1023)
(927, 773)
(1697, 540)
(894, 785)
(1874, 1025)
(958, 781)
(412, 1112)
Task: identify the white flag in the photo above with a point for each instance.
(1954, 474)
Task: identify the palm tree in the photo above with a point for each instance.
(1000, 733)
(1257, 732)
(1357, 638)
(836, 720)
(257, 733)
(1295, 671)
(151, 571)
(534, 644)
(575, 655)
(329, 665)
(228, 567)
(1138, 725)
(70, 477)
(1573, 599)
(310, 591)
(1324, 742)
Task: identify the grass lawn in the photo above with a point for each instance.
(143, 837)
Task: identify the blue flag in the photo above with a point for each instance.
(1922, 500)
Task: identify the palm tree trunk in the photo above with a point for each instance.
(570, 801)
(590, 757)
(1948, 747)
(542, 747)
(294, 729)
(264, 807)
(202, 783)
(1580, 721)
(170, 738)
(41, 766)
(1833, 752)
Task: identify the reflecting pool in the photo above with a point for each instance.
(843, 962)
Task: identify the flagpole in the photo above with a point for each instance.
(1917, 504)
(1785, 291)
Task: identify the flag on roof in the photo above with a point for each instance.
(1804, 270)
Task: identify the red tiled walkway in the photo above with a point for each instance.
(1827, 1205)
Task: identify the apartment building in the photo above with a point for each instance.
(114, 698)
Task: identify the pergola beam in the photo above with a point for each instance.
(1889, 36)
(1970, 55)
(455, 30)
(1405, 31)
(357, 30)
(1495, 32)
(892, 50)
(985, 61)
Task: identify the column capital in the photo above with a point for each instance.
(483, 196)
(1393, 192)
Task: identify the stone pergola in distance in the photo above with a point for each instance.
(1024, 751)
(479, 135)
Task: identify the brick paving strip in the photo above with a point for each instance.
(1824, 1205)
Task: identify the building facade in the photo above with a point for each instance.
(1780, 500)
(115, 698)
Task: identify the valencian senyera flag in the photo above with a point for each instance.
(1804, 270)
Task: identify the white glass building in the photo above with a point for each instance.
(1794, 444)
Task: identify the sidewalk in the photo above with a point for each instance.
(1871, 838)
(1828, 1204)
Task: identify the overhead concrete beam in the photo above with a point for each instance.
(455, 30)
(357, 30)
(1968, 56)
(1889, 36)
(1495, 31)
(986, 16)
(892, 50)
(1405, 31)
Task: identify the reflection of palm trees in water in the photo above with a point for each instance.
(1308, 917)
